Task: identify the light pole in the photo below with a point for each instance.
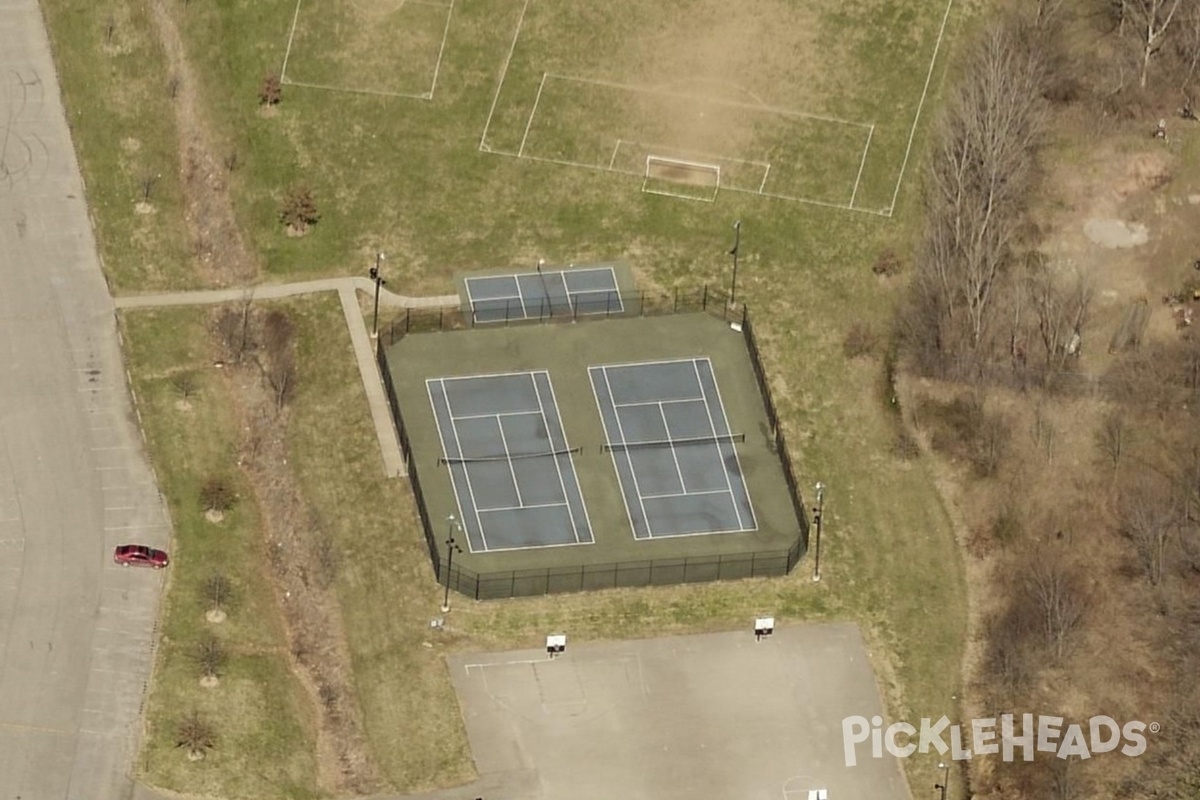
(945, 779)
(737, 244)
(379, 281)
(817, 513)
(451, 547)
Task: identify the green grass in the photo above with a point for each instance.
(263, 722)
(406, 176)
(119, 109)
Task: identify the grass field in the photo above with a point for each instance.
(406, 175)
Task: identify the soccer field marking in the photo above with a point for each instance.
(888, 211)
(425, 95)
(861, 165)
(483, 146)
(437, 67)
(921, 104)
(629, 87)
(668, 152)
(529, 122)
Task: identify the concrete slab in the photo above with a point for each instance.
(713, 716)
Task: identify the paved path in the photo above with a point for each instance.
(76, 631)
(394, 461)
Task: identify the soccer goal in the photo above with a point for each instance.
(690, 180)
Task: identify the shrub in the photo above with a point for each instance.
(860, 340)
(217, 495)
(888, 264)
(271, 90)
(299, 210)
(195, 734)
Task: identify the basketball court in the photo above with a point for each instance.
(720, 716)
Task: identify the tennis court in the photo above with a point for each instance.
(510, 464)
(544, 293)
(674, 453)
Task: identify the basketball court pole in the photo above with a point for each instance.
(817, 512)
(379, 281)
(737, 243)
(451, 546)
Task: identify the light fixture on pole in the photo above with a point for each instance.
(379, 281)
(737, 245)
(451, 548)
(941, 787)
(818, 512)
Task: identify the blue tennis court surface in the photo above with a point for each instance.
(675, 456)
(509, 461)
(544, 293)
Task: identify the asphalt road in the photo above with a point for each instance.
(76, 631)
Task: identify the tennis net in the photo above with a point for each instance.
(508, 456)
(674, 443)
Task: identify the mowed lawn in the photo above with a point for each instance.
(406, 176)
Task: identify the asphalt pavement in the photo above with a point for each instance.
(76, 631)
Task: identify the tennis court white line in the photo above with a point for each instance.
(508, 457)
(736, 458)
(712, 426)
(674, 453)
(612, 455)
(686, 494)
(491, 416)
(628, 460)
(660, 402)
(523, 373)
(523, 507)
(562, 483)
(466, 473)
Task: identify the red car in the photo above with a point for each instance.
(139, 555)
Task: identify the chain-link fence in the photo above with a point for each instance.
(654, 572)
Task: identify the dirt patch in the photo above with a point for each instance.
(297, 551)
(217, 241)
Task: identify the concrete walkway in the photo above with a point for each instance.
(394, 460)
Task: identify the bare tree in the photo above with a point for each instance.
(1149, 512)
(280, 367)
(210, 656)
(217, 591)
(1113, 437)
(186, 383)
(195, 734)
(1056, 589)
(1061, 313)
(1187, 46)
(980, 173)
(1150, 20)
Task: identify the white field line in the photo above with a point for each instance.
(762, 187)
(533, 112)
(861, 165)
(691, 96)
(772, 195)
(917, 117)
(612, 161)
(503, 74)
(291, 35)
(437, 68)
(679, 195)
(357, 90)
